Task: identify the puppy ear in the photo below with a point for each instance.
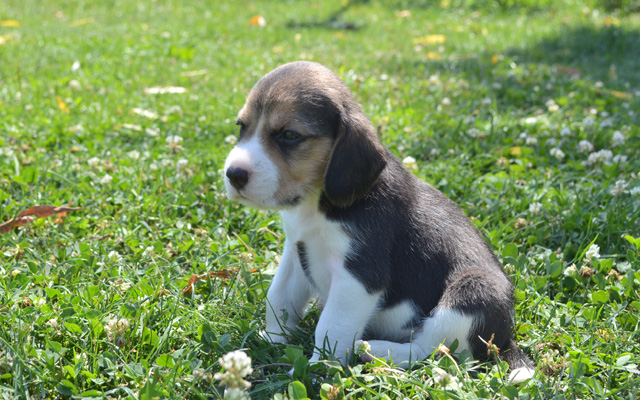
(356, 161)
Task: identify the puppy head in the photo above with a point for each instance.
(302, 133)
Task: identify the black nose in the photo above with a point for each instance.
(238, 177)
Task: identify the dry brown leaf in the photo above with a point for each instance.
(222, 274)
(258, 20)
(32, 213)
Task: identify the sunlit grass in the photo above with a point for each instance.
(525, 114)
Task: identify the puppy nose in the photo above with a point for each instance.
(238, 177)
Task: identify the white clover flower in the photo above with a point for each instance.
(362, 347)
(619, 159)
(446, 101)
(523, 135)
(445, 380)
(530, 120)
(473, 132)
(231, 139)
(182, 163)
(606, 123)
(235, 394)
(535, 208)
(410, 163)
(570, 271)
(593, 252)
(74, 84)
(603, 156)
(435, 152)
(585, 146)
(153, 166)
(557, 153)
(116, 329)
(236, 365)
(93, 161)
(551, 142)
(566, 131)
(635, 191)
(39, 302)
(6, 151)
(53, 322)
(134, 154)
(487, 101)
(551, 105)
(619, 187)
(113, 256)
(618, 139)
(531, 140)
(589, 121)
(148, 252)
(106, 179)
(174, 141)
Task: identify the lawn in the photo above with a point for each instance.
(524, 112)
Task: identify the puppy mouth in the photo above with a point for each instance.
(272, 204)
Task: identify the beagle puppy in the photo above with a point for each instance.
(390, 258)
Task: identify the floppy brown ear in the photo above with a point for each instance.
(356, 161)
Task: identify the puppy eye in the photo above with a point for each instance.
(240, 124)
(288, 137)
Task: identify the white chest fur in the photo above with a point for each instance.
(325, 242)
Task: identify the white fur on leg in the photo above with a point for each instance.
(348, 308)
(288, 295)
(520, 375)
(443, 326)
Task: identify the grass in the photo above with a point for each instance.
(497, 112)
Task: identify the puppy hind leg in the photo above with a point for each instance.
(442, 326)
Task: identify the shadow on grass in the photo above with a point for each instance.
(610, 54)
(332, 21)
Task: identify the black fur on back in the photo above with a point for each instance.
(413, 243)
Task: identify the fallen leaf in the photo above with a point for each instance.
(495, 58)
(163, 90)
(194, 73)
(430, 39)
(222, 274)
(620, 95)
(433, 56)
(132, 127)
(63, 107)
(5, 38)
(83, 21)
(258, 20)
(10, 23)
(403, 14)
(516, 151)
(568, 71)
(32, 213)
(608, 21)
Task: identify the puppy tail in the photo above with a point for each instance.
(520, 365)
